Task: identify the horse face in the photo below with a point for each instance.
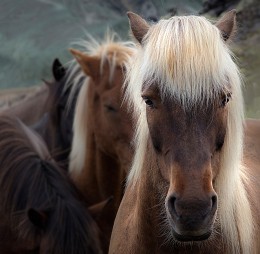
(188, 145)
(111, 120)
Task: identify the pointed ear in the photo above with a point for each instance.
(227, 25)
(138, 26)
(38, 218)
(58, 70)
(89, 64)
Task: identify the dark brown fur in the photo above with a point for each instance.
(178, 149)
(40, 209)
(55, 126)
(171, 205)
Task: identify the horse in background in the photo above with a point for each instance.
(101, 149)
(55, 126)
(188, 190)
(41, 210)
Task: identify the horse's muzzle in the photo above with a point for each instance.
(191, 219)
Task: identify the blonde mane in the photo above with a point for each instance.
(116, 52)
(188, 61)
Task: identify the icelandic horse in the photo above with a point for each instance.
(101, 150)
(41, 210)
(189, 189)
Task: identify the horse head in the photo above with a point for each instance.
(187, 96)
(108, 114)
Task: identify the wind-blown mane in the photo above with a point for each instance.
(186, 58)
(116, 53)
(30, 179)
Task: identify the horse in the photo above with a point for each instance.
(101, 149)
(41, 210)
(189, 190)
(55, 126)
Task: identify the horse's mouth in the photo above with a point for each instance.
(191, 238)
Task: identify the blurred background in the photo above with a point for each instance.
(34, 32)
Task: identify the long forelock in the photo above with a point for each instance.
(187, 59)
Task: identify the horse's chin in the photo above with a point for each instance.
(191, 237)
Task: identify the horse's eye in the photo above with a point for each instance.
(110, 108)
(225, 99)
(148, 102)
(219, 145)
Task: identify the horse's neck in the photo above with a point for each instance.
(49, 128)
(41, 125)
(101, 176)
(100, 179)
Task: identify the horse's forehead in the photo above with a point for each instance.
(111, 78)
(170, 116)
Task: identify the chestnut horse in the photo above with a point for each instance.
(41, 211)
(101, 150)
(188, 190)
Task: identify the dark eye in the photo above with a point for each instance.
(219, 145)
(148, 102)
(110, 108)
(225, 99)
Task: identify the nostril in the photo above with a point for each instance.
(171, 205)
(213, 201)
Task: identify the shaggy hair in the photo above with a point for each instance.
(29, 178)
(188, 60)
(116, 52)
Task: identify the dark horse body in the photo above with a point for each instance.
(40, 209)
(55, 126)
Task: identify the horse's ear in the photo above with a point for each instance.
(89, 64)
(96, 210)
(58, 70)
(227, 25)
(38, 218)
(138, 26)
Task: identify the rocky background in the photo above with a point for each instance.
(34, 32)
